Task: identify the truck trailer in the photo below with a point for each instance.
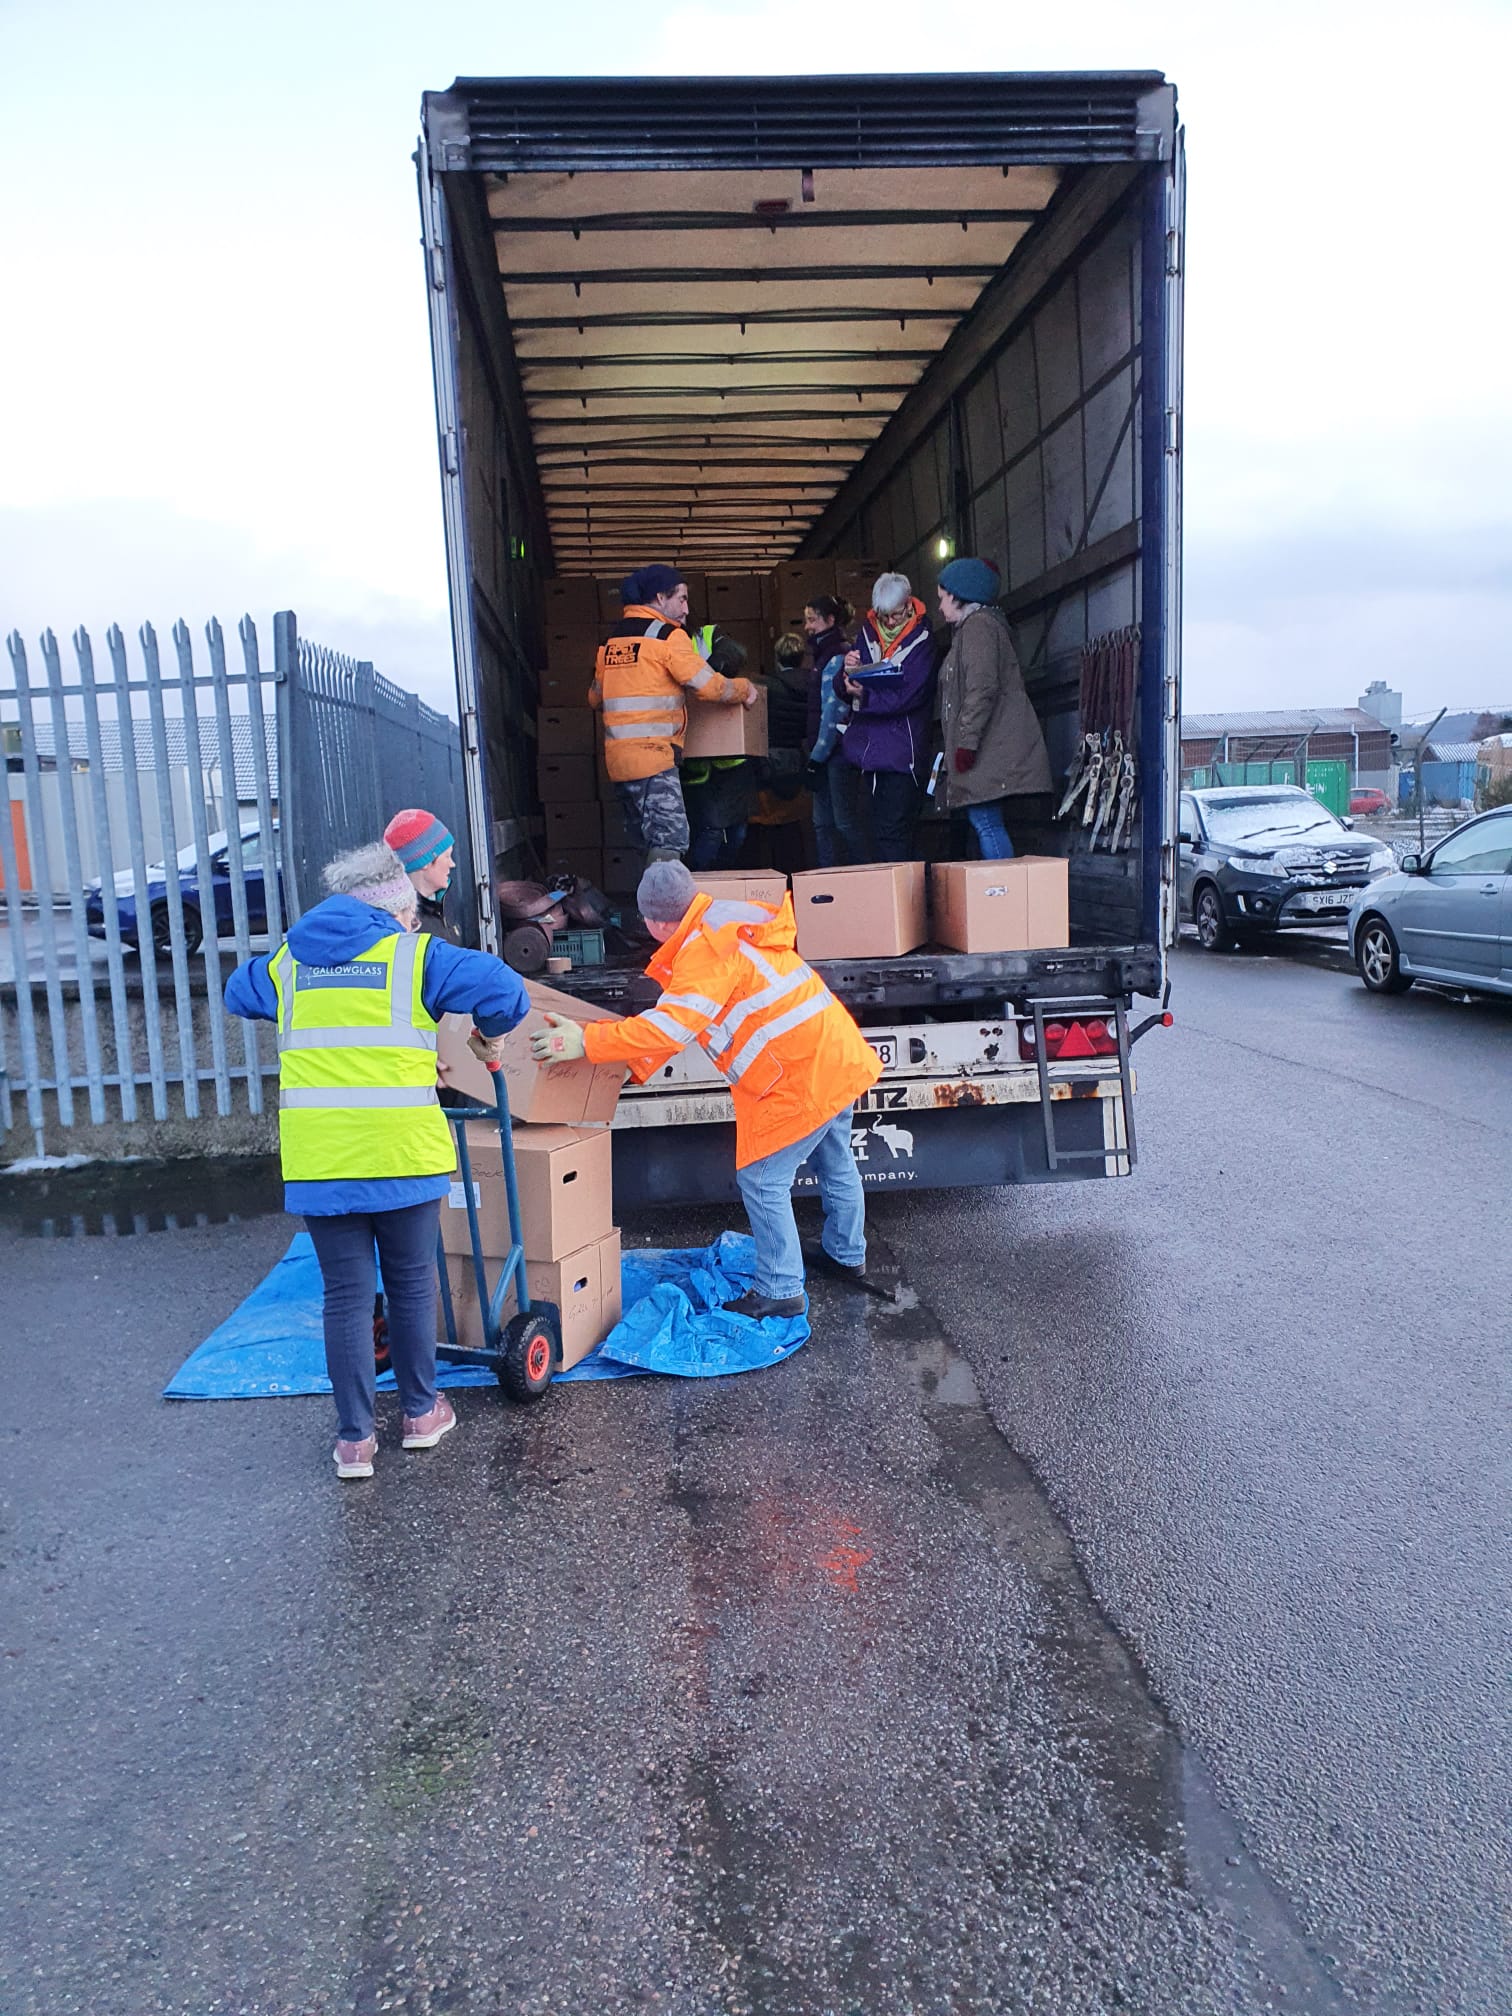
(736, 322)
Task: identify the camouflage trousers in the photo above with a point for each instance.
(655, 816)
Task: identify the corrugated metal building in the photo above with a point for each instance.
(1301, 735)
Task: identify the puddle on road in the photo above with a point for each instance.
(115, 1200)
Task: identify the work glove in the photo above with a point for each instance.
(559, 1043)
(488, 1050)
(964, 759)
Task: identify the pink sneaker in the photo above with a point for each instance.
(424, 1431)
(355, 1459)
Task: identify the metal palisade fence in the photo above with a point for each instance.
(163, 822)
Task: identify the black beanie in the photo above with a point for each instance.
(646, 583)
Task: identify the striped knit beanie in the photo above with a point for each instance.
(417, 838)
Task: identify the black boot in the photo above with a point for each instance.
(762, 1306)
(819, 1261)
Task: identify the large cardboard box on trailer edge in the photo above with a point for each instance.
(1019, 905)
(571, 1094)
(875, 912)
(564, 1176)
(585, 1287)
(742, 885)
(716, 728)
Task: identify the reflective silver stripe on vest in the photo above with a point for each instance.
(783, 985)
(643, 703)
(656, 730)
(759, 960)
(358, 1039)
(702, 678)
(358, 1095)
(794, 1019)
(727, 911)
(699, 1003)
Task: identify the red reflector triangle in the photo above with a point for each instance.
(1077, 1043)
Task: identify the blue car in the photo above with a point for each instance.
(193, 898)
(1444, 916)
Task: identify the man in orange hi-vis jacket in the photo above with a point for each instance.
(645, 671)
(733, 982)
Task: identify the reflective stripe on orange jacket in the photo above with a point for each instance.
(639, 684)
(733, 982)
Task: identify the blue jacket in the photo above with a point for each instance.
(834, 712)
(456, 982)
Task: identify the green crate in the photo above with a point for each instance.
(583, 947)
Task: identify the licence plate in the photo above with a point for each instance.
(1322, 899)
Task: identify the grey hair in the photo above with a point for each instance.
(373, 874)
(890, 592)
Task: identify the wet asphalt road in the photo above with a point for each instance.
(1118, 1624)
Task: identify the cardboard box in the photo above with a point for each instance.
(612, 815)
(563, 1095)
(739, 885)
(854, 580)
(753, 640)
(732, 598)
(721, 730)
(565, 689)
(876, 912)
(584, 1286)
(610, 605)
(566, 731)
(567, 780)
(622, 870)
(1000, 906)
(797, 583)
(587, 863)
(564, 1178)
(572, 649)
(571, 599)
(571, 825)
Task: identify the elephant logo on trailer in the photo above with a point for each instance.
(899, 1140)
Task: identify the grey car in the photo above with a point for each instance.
(1261, 858)
(1445, 915)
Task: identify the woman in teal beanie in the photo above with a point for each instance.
(994, 746)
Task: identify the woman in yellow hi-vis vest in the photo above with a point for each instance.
(367, 1155)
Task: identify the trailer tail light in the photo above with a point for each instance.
(1090, 1036)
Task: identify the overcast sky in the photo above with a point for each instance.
(216, 371)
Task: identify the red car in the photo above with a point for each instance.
(1367, 799)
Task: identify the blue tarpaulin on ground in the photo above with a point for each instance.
(673, 1323)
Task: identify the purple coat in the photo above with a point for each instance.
(894, 729)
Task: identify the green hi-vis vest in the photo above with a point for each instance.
(357, 1067)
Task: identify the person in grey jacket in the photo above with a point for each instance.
(994, 747)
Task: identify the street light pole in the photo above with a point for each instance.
(1417, 775)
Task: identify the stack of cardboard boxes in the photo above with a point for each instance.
(568, 743)
(563, 1172)
(888, 910)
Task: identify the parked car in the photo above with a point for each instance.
(1259, 858)
(192, 897)
(1367, 801)
(1445, 915)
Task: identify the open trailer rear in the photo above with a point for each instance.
(733, 322)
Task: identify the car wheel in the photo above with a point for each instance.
(1379, 958)
(1213, 933)
(162, 930)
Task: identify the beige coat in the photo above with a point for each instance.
(983, 706)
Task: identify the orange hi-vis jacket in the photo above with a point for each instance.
(639, 683)
(733, 982)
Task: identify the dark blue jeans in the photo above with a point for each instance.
(406, 1244)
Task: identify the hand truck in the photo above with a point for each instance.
(525, 1350)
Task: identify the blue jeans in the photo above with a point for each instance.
(992, 839)
(828, 845)
(716, 847)
(767, 1187)
(406, 1244)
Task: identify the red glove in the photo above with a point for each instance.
(964, 758)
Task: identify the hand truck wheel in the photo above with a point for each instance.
(528, 1353)
(381, 1360)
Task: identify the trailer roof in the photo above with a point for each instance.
(720, 290)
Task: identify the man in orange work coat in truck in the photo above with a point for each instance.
(645, 671)
(733, 982)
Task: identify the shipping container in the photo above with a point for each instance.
(737, 322)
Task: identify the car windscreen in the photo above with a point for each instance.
(1231, 821)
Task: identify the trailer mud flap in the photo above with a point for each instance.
(962, 1148)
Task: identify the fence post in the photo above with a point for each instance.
(286, 700)
(147, 959)
(105, 861)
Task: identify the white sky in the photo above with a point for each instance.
(216, 371)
